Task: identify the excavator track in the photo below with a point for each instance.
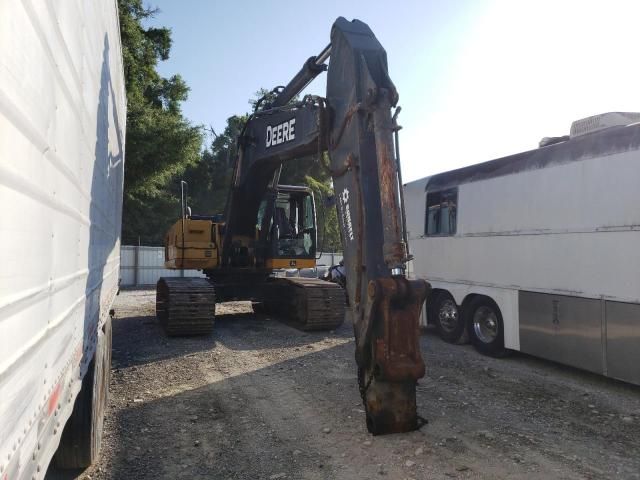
(185, 306)
(306, 303)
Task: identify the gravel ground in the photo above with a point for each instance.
(261, 400)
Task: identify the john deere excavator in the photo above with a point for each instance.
(267, 226)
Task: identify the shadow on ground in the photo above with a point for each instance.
(245, 426)
(140, 340)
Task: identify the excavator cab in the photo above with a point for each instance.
(285, 236)
(286, 228)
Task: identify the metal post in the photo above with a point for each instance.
(136, 265)
(396, 137)
(183, 207)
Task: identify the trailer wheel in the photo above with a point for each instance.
(448, 320)
(485, 326)
(82, 435)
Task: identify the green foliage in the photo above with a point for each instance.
(161, 143)
(265, 97)
(328, 229)
(210, 180)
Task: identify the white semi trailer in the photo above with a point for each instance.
(62, 124)
(539, 251)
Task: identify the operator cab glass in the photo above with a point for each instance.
(292, 229)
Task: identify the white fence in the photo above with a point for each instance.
(329, 258)
(145, 265)
(140, 265)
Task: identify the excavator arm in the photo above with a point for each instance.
(354, 124)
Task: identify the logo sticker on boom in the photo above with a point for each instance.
(282, 133)
(346, 214)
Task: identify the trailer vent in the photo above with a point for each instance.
(602, 121)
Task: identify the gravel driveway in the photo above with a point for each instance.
(261, 400)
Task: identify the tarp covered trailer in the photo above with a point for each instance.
(62, 129)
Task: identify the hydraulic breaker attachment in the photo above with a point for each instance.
(389, 358)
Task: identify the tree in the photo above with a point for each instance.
(329, 239)
(210, 179)
(161, 143)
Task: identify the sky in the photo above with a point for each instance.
(478, 79)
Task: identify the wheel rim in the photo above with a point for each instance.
(448, 315)
(485, 324)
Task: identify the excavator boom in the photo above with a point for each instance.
(354, 124)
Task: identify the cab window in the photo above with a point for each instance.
(293, 227)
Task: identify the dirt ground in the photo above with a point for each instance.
(261, 400)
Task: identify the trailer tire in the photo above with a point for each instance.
(448, 319)
(82, 435)
(485, 327)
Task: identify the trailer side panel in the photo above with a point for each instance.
(62, 124)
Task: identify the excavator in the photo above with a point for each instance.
(267, 226)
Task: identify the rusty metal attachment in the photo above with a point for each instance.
(388, 376)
